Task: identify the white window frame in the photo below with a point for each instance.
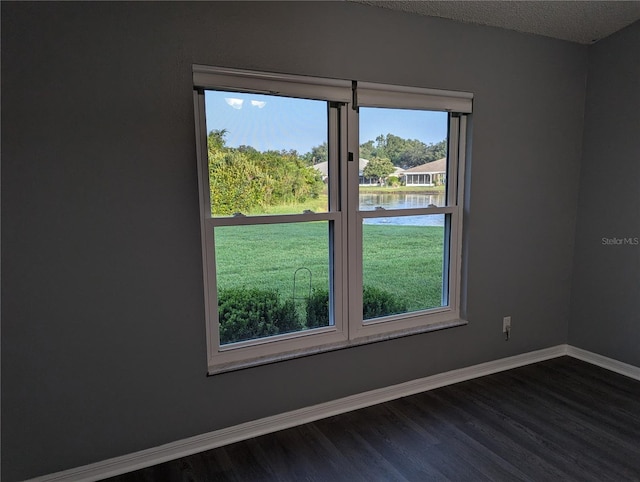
(349, 328)
(424, 320)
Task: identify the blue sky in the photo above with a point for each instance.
(269, 122)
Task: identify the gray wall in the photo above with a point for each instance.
(103, 349)
(605, 315)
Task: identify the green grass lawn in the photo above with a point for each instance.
(317, 205)
(403, 260)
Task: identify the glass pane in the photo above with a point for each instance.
(402, 264)
(267, 154)
(272, 279)
(403, 158)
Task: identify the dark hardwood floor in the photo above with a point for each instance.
(557, 420)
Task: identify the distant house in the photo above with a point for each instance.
(362, 180)
(373, 181)
(322, 168)
(430, 174)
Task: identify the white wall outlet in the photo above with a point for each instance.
(506, 327)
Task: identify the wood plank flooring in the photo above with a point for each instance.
(557, 420)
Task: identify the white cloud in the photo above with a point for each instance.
(235, 103)
(258, 103)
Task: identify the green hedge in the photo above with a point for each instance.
(318, 309)
(377, 302)
(249, 313)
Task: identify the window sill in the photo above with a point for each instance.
(265, 360)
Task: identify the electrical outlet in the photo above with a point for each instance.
(506, 327)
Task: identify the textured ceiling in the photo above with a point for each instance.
(577, 21)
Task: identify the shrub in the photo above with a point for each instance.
(377, 302)
(248, 313)
(243, 179)
(288, 320)
(318, 309)
(393, 181)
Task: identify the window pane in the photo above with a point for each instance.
(272, 279)
(267, 154)
(402, 264)
(403, 158)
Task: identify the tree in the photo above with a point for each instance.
(402, 152)
(317, 154)
(367, 150)
(379, 168)
(436, 151)
(394, 146)
(415, 154)
(216, 139)
(245, 180)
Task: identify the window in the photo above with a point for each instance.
(331, 212)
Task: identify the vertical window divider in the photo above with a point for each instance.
(336, 250)
(342, 188)
(354, 224)
(206, 233)
(461, 148)
(449, 284)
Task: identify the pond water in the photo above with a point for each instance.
(370, 201)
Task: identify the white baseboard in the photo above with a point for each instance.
(604, 362)
(244, 431)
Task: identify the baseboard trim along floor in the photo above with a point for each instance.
(255, 428)
(604, 362)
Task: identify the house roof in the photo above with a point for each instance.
(434, 166)
(323, 167)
